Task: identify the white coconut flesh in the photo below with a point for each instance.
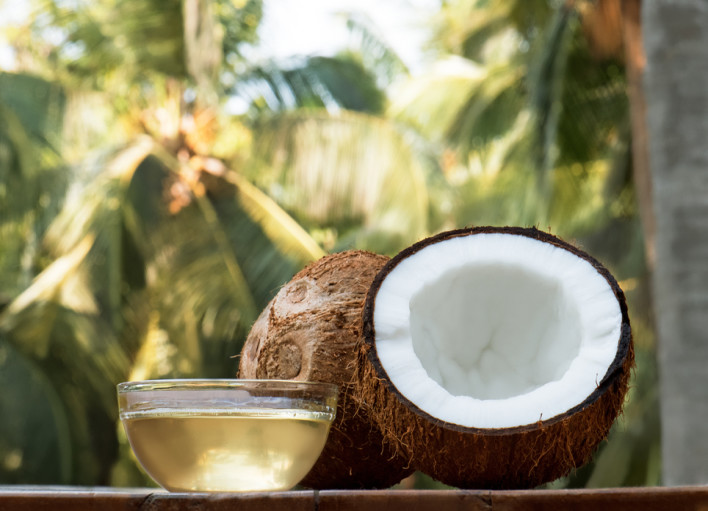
(495, 330)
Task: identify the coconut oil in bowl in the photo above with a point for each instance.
(227, 435)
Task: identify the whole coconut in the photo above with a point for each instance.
(309, 332)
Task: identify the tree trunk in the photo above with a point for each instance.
(635, 63)
(676, 86)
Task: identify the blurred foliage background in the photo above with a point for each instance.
(145, 225)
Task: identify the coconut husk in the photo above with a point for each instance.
(519, 457)
(309, 332)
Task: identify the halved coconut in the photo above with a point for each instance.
(495, 357)
(310, 331)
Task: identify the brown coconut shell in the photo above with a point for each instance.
(310, 332)
(517, 457)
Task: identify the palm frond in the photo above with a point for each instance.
(376, 52)
(103, 38)
(464, 28)
(431, 102)
(288, 236)
(38, 105)
(32, 112)
(311, 82)
(142, 252)
(352, 173)
(35, 436)
(215, 258)
(489, 111)
(17, 166)
(32, 180)
(216, 252)
(56, 324)
(467, 27)
(545, 83)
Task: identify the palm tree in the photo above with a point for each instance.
(163, 252)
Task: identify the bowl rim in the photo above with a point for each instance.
(197, 384)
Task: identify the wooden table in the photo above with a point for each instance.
(38, 498)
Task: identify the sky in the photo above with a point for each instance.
(301, 27)
(315, 26)
(11, 13)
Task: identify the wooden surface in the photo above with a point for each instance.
(21, 498)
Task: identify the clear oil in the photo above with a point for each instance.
(265, 450)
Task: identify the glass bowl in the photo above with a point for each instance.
(227, 435)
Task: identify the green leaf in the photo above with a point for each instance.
(104, 37)
(35, 438)
(287, 235)
(129, 268)
(312, 82)
(61, 285)
(115, 46)
(353, 173)
(215, 260)
(462, 104)
(432, 101)
(37, 103)
(32, 182)
(466, 27)
(55, 323)
(376, 53)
